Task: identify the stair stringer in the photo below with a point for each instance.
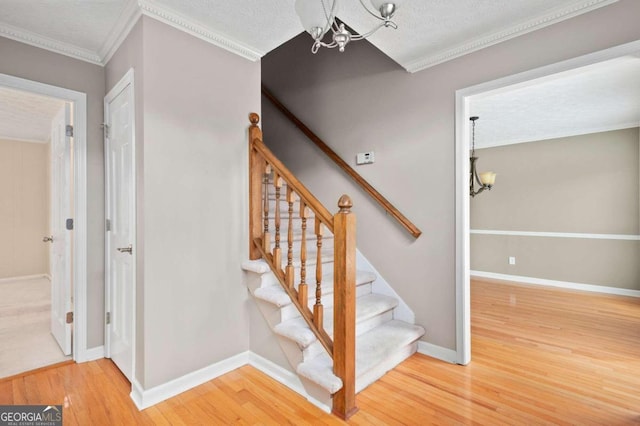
(259, 275)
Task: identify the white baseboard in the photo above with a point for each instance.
(438, 352)
(90, 354)
(145, 398)
(552, 283)
(23, 278)
(284, 376)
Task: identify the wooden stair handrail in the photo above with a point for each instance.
(366, 186)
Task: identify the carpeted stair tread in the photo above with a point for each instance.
(367, 307)
(276, 294)
(372, 349)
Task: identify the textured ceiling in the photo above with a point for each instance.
(599, 97)
(429, 32)
(25, 116)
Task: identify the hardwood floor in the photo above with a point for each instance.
(540, 356)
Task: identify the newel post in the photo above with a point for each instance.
(344, 316)
(256, 171)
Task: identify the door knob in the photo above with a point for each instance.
(48, 239)
(128, 249)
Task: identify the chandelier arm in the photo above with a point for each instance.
(331, 17)
(370, 12)
(363, 36)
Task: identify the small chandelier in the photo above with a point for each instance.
(486, 179)
(318, 17)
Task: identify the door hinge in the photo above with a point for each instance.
(105, 128)
(69, 130)
(107, 225)
(69, 317)
(108, 317)
(69, 224)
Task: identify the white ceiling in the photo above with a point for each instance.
(600, 97)
(430, 31)
(26, 116)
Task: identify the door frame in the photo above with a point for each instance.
(126, 80)
(80, 352)
(463, 138)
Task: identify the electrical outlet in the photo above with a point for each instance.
(512, 260)
(365, 158)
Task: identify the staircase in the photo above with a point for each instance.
(343, 336)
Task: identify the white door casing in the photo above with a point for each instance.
(120, 233)
(60, 252)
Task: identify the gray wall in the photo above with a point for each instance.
(194, 191)
(360, 100)
(40, 65)
(583, 184)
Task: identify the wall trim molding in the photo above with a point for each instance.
(438, 352)
(517, 279)
(145, 398)
(626, 237)
(478, 43)
(23, 278)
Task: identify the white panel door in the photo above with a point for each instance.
(60, 253)
(120, 234)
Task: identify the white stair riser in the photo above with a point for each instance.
(291, 311)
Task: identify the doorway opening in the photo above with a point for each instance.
(42, 267)
(466, 100)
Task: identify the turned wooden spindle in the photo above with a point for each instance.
(277, 256)
(302, 288)
(266, 238)
(318, 308)
(289, 271)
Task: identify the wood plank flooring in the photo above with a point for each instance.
(540, 356)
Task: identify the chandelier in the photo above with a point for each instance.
(318, 18)
(486, 179)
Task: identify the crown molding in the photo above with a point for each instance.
(522, 28)
(49, 44)
(128, 18)
(125, 23)
(170, 17)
